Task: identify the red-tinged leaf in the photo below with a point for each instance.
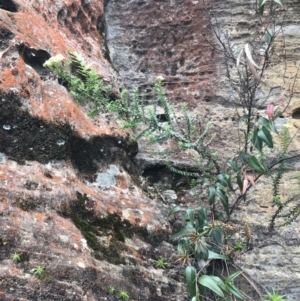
(251, 180)
(245, 185)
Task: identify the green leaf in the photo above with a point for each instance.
(233, 276)
(244, 117)
(261, 9)
(224, 200)
(186, 231)
(239, 181)
(191, 278)
(262, 2)
(265, 136)
(231, 164)
(256, 165)
(189, 216)
(210, 283)
(214, 255)
(269, 124)
(222, 179)
(244, 156)
(174, 210)
(205, 181)
(196, 298)
(278, 1)
(211, 195)
(256, 140)
(202, 215)
(268, 37)
(219, 281)
(233, 290)
(217, 235)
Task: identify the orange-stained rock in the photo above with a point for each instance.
(70, 198)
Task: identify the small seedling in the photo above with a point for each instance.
(111, 290)
(273, 296)
(238, 246)
(161, 263)
(123, 295)
(16, 257)
(39, 270)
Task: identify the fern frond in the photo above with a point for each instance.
(182, 172)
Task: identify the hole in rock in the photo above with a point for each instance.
(35, 59)
(5, 36)
(8, 5)
(161, 175)
(296, 114)
(161, 117)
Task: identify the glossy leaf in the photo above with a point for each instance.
(217, 235)
(189, 229)
(256, 165)
(214, 255)
(233, 290)
(265, 136)
(210, 283)
(239, 181)
(262, 2)
(189, 216)
(256, 140)
(268, 37)
(211, 195)
(231, 164)
(174, 210)
(202, 215)
(233, 276)
(244, 156)
(224, 200)
(191, 278)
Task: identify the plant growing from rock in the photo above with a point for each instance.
(111, 290)
(39, 271)
(16, 257)
(161, 263)
(274, 296)
(123, 295)
(226, 183)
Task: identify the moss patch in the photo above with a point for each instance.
(96, 229)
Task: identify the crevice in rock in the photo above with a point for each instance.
(9, 5)
(35, 58)
(5, 36)
(296, 114)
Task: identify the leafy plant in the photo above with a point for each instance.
(16, 257)
(161, 263)
(239, 246)
(111, 290)
(274, 296)
(39, 271)
(123, 295)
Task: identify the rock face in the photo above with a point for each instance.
(70, 198)
(173, 39)
(162, 39)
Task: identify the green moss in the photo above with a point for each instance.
(26, 204)
(94, 227)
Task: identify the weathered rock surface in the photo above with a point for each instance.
(171, 38)
(70, 199)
